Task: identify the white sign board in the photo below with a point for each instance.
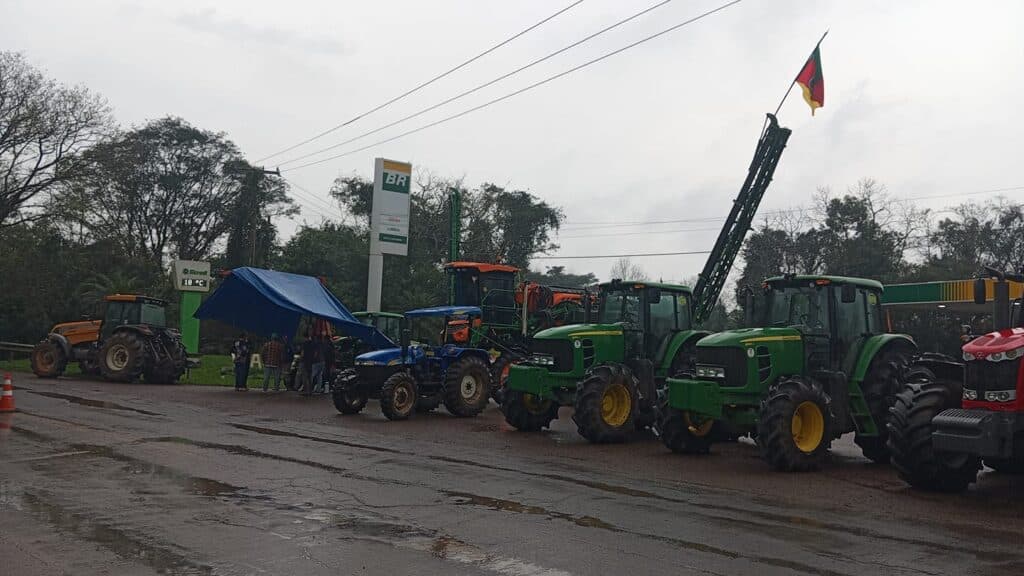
(191, 276)
(389, 222)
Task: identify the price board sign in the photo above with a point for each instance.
(191, 276)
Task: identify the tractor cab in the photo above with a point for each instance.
(491, 287)
(132, 310)
(650, 315)
(387, 323)
(833, 316)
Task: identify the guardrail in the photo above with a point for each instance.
(13, 349)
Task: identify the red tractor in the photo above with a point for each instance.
(951, 417)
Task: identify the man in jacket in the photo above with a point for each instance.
(273, 357)
(241, 355)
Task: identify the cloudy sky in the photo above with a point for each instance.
(923, 96)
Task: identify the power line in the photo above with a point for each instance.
(480, 86)
(313, 201)
(521, 90)
(645, 233)
(424, 84)
(596, 256)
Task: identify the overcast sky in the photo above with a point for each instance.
(923, 96)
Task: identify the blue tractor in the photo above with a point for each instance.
(418, 375)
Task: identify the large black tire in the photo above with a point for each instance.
(606, 404)
(683, 433)
(795, 425)
(427, 404)
(499, 377)
(880, 386)
(168, 370)
(48, 359)
(467, 387)
(910, 435)
(526, 413)
(123, 357)
(348, 396)
(398, 396)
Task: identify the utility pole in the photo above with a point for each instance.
(454, 234)
(251, 194)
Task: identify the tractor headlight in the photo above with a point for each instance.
(968, 356)
(970, 394)
(715, 372)
(1007, 355)
(542, 360)
(1001, 396)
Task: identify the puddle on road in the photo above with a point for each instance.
(92, 402)
(465, 498)
(131, 547)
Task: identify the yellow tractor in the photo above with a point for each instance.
(132, 340)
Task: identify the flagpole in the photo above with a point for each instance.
(793, 83)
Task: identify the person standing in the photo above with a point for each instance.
(311, 362)
(273, 356)
(327, 357)
(241, 355)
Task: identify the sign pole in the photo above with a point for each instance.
(389, 222)
(189, 324)
(191, 278)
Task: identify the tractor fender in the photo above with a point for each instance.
(873, 347)
(461, 353)
(143, 330)
(680, 339)
(61, 341)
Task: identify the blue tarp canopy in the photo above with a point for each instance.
(445, 311)
(265, 301)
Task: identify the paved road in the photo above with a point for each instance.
(100, 478)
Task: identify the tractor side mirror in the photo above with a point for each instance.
(748, 307)
(652, 295)
(979, 291)
(848, 293)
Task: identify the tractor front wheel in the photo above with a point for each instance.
(348, 396)
(467, 387)
(398, 396)
(500, 369)
(910, 435)
(48, 359)
(685, 433)
(795, 425)
(606, 404)
(123, 357)
(528, 413)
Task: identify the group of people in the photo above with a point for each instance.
(318, 356)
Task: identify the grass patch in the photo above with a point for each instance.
(209, 372)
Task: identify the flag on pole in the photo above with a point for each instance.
(812, 82)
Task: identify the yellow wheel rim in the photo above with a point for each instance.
(616, 405)
(696, 426)
(807, 426)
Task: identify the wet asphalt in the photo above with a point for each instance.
(103, 478)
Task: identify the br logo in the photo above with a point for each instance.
(396, 179)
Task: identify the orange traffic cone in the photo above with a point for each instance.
(7, 397)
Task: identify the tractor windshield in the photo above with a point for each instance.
(797, 306)
(154, 315)
(620, 306)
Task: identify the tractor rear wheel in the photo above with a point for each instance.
(910, 435)
(467, 387)
(398, 396)
(168, 370)
(528, 413)
(123, 357)
(795, 425)
(48, 359)
(606, 404)
(685, 433)
(348, 396)
(880, 387)
(499, 377)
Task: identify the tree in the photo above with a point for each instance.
(252, 235)
(557, 276)
(157, 191)
(44, 126)
(625, 269)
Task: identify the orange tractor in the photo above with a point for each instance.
(132, 340)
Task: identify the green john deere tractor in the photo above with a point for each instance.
(814, 364)
(611, 370)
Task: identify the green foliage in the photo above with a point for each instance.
(557, 276)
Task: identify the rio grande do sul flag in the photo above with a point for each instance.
(812, 81)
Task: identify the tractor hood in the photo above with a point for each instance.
(996, 343)
(579, 331)
(390, 356)
(749, 337)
